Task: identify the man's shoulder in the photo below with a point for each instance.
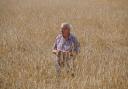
(58, 36)
(72, 36)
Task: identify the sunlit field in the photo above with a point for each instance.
(27, 32)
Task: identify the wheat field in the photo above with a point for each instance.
(27, 32)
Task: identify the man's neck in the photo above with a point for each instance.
(66, 37)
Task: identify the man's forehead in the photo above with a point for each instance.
(66, 27)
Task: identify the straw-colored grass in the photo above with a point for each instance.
(28, 29)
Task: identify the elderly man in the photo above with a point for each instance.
(65, 43)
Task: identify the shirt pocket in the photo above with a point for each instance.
(67, 46)
(60, 45)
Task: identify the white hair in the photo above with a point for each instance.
(69, 26)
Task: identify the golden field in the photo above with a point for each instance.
(27, 32)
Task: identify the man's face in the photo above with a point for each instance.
(66, 32)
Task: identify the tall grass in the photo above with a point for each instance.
(28, 29)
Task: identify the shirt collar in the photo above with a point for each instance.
(68, 37)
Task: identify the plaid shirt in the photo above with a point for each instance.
(71, 44)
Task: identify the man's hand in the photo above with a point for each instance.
(73, 53)
(56, 52)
